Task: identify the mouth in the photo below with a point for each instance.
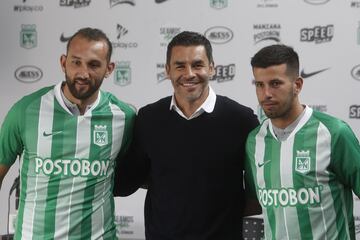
(81, 82)
(268, 104)
(189, 84)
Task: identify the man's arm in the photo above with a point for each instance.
(252, 207)
(132, 167)
(346, 157)
(131, 172)
(3, 170)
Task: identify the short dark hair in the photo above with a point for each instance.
(187, 38)
(275, 55)
(92, 34)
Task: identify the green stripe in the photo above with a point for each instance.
(272, 176)
(250, 168)
(77, 195)
(30, 125)
(96, 152)
(338, 197)
(54, 180)
(128, 128)
(66, 184)
(305, 140)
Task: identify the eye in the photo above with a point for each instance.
(275, 84)
(198, 65)
(76, 62)
(259, 84)
(94, 65)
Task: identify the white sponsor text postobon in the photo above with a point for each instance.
(73, 167)
(289, 196)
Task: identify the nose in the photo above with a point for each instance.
(82, 72)
(267, 92)
(189, 72)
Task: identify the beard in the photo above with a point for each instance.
(191, 93)
(88, 91)
(282, 110)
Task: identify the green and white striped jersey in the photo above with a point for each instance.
(67, 164)
(305, 183)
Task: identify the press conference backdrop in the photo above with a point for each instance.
(326, 34)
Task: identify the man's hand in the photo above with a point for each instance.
(3, 170)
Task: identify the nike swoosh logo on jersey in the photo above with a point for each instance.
(263, 163)
(307, 75)
(45, 134)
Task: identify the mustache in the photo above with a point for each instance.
(268, 102)
(182, 80)
(86, 80)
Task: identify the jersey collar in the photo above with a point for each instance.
(61, 100)
(306, 116)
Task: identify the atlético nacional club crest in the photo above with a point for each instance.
(28, 36)
(100, 135)
(218, 4)
(302, 161)
(122, 73)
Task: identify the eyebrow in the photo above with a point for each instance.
(179, 62)
(193, 62)
(76, 57)
(276, 79)
(198, 61)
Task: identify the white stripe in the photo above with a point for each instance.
(260, 154)
(63, 215)
(343, 208)
(34, 194)
(83, 143)
(259, 157)
(78, 183)
(118, 125)
(323, 145)
(286, 168)
(327, 205)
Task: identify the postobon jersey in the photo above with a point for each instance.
(305, 183)
(66, 164)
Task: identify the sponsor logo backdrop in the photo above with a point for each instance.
(325, 33)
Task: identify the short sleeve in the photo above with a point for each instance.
(10, 137)
(346, 157)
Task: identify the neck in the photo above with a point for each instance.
(284, 121)
(188, 109)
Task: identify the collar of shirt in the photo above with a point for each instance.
(69, 106)
(283, 134)
(207, 106)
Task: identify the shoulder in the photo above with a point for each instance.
(332, 123)
(29, 99)
(235, 115)
(336, 127)
(236, 111)
(227, 103)
(17, 114)
(157, 107)
(127, 108)
(260, 130)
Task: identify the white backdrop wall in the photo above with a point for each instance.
(325, 33)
